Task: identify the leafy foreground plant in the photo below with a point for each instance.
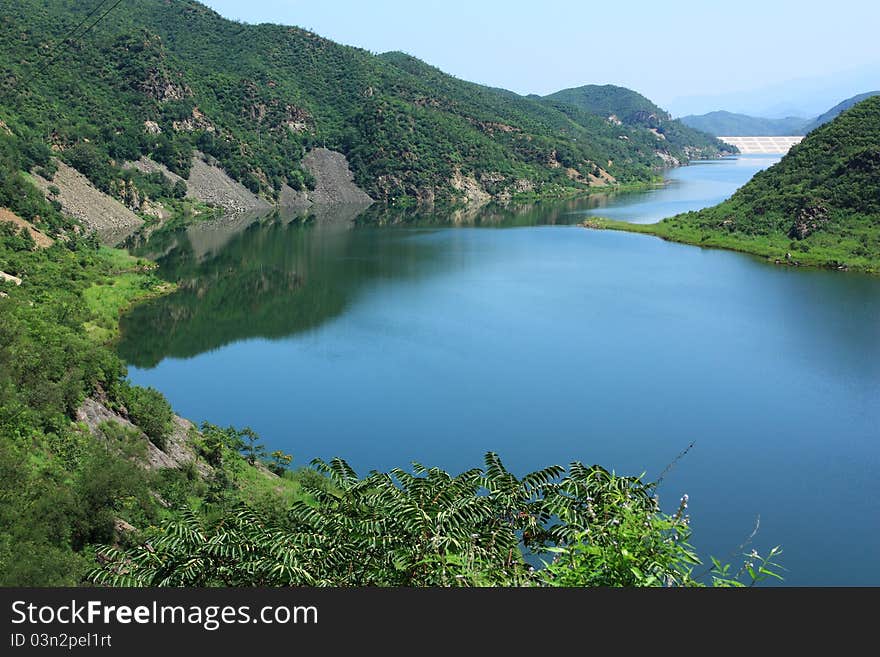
(428, 528)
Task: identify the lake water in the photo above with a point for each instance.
(524, 334)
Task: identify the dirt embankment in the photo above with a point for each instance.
(334, 182)
(81, 200)
(40, 239)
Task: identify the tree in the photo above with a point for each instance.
(280, 462)
(148, 409)
(179, 189)
(250, 448)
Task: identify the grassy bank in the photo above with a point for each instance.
(71, 478)
(827, 251)
(128, 281)
(819, 206)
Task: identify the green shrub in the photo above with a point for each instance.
(429, 528)
(149, 410)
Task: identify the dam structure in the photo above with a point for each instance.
(763, 145)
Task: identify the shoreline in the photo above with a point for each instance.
(717, 241)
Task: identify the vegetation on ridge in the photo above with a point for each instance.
(676, 139)
(835, 111)
(168, 79)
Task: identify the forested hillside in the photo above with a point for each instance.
(820, 205)
(169, 79)
(621, 106)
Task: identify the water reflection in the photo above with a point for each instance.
(269, 276)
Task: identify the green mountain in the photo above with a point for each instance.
(729, 124)
(837, 109)
(621, 106)
(820, 205)
(170, 79)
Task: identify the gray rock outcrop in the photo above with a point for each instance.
(178, 449)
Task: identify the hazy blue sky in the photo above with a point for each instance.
(668, 50)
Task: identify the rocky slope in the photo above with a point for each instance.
(333, 184)
(209, 183)
(178, 451)
(80, 199)
(334, 181)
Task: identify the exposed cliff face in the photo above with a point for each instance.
(470, 191)
(9, 278)
(208, 183)
(334, 184)
(334, 181)
(146, 165)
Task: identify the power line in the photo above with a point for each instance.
(71, 37)
(85, 20)
(103, 16)
(61, 46)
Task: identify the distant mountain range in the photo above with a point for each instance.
(806, 96)
(729, 124)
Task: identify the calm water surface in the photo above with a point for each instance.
(547, 343)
